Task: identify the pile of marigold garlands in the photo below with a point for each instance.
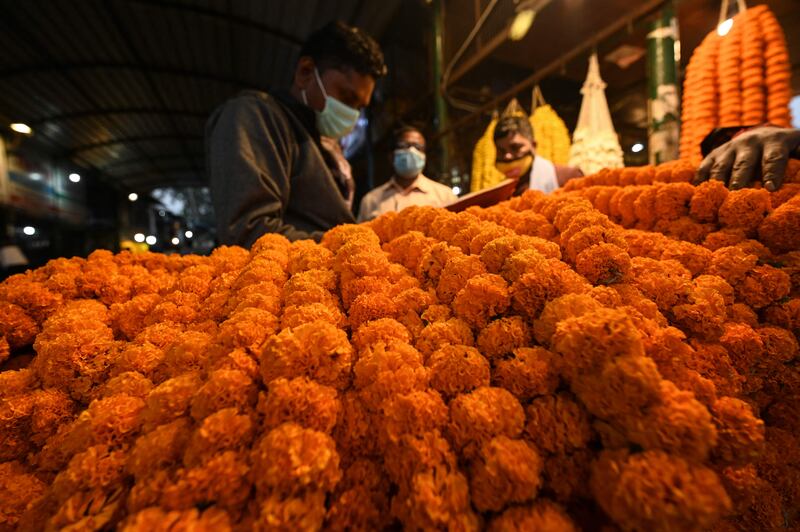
(618, 356)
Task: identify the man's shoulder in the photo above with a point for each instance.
(567, 172)
(435, 185)
(378, 191)
(250, 109)
(251, 99)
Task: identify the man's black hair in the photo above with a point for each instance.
(513, 124)
(339, 46)
(402, 130)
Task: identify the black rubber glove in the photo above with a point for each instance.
(761, 152)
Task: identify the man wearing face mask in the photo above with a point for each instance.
(407, 186)
(269, 171)
(517, 159)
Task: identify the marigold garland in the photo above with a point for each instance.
(740, 79)
(627, 346)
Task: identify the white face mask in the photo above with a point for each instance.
(336, 119)
(408, 162)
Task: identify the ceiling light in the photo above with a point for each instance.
(636, 148)
(133, 196)
(19, 127)
(188, 234)
(456, 190)
(162, 213)
(28, 230)
(151, 240)
(75, 178)
(724, 28)
(522, 22)
(36, 176)
(139, 237)
(175, 241)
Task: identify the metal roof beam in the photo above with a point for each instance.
(222, 15)
(134, 160)
(60, 67)
(168, 179)
(14, 27)
(129, 140)
(119, 111)
(128, 39)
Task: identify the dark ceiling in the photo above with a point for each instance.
(124, 87)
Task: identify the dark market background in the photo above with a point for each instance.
(116, 94)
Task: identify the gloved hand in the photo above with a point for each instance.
(762, 151)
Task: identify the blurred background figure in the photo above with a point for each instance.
(407, 186)
(12, 259)
(517, 158)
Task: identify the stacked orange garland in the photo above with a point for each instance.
(700, 97)
(778, 70)
(729, 73)
(621, 355)
(740, 79)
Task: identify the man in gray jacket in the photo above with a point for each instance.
(268, 170)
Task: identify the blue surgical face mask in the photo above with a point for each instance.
(336, 119)
(408, 162)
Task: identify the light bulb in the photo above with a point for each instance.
(19, 127)
(521, 24)
(724, 28)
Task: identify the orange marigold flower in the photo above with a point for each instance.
(477, 417)
(745, 209)
(482, 298)
(657, 491)
(291, 459)
(317, 350)
(778, 231)
(456, 369)
(501, 336)
(528, 373)
(603, 264)
(708, 197)
(557, 424)
(505, 471)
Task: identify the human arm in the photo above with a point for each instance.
(762, 151)
(366, 209)
(565, 173)
(249, 155)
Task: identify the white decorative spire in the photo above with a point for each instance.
(595, 143)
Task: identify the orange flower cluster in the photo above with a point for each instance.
(777, 70)
(678, 171)
(709, 215)
(620, 356)
(742, 78)
(700, 106)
